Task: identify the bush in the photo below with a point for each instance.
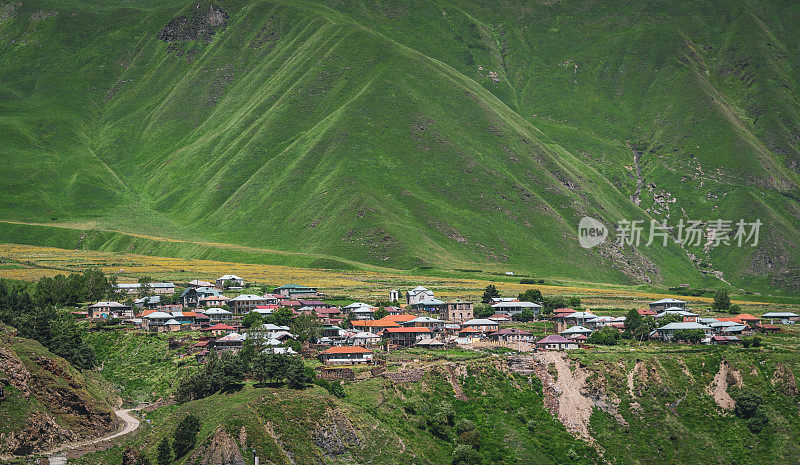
(606, 336)
(186, 435)
(465, 455)
(750, 407)
(164, 456)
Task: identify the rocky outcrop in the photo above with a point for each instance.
(41, 432)
(220, 450)
(204, 23)
(335, 434)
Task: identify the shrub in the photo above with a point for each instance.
(164, 456)
(606, 336)
(750, 407)
(186, 435)
(465, 455)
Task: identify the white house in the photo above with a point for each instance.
(234, 280)
(515, 307)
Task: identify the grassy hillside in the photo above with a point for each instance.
(448, 134)
(44, 401)
(644, 407)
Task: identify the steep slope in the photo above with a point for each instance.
(44, 401)
(434, 134)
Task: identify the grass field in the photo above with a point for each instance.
(32, 262)
(443, 134)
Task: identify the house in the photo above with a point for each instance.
(198, 283)
(496, 300)
(575, 331)
(329, 313)
(231, 341)
(151, 301)
(405, 337)
(428, 305)
(511, 335)
(353, 355)
(646, 312)
(399, 318)
(359, 311)
(393, 310)
(747, 319)
(202, 319)
(394, 295)
(785, 318)
(724, 340)
(244, 303)
(418, 294)
(767, 328)
(219, 329)
(213, 301)
(190, 297)
(108, 310)
(556, 342)
(172, 325)
(425, 322)
(375, 326)
(230, 281)
(295, 291)
(457, 310)
(218, 314)
(726, 327)
(315, 304)
(663, 304)
(155, 321)
(667, 332)
(579, 318)
(154, 288)
(516, 307)
(686, 315)
(500, 317)
(364, 338)
(481, 324)
(429, 343)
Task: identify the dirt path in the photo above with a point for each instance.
(130, 425)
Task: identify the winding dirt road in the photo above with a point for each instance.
(131, 423)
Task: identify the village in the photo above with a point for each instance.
(362, 333)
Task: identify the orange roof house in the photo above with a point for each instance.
(345, 355)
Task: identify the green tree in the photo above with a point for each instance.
(252, 320)
(281, 317)
(186, 435)
(607, 336)
(296, 374)
(380, 313)
(490, 292)
(531, 295)
(145, 289)
(721, 300)
(465, 455)
(525, 315)
(692, 336)
(164, 455)
(750, 407)
(306, 327)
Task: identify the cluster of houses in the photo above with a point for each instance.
(348, 333)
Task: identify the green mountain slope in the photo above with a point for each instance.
(445, 134)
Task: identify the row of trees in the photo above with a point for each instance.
(228, 371)
(42, 322)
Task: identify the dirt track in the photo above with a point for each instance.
(130, 425)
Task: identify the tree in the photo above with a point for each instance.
(531, 295)
(465, 455)
(186, 435)
(692, 336)
(252, 320)
(750, 407)
(525, 315)
(607, 336)
(296, 375)
(164, 456)
(721, 300)
(380, 313)
(490, 292)
(306, 327)
(144, 285)
(281, 317)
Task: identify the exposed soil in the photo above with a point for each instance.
(718, 389)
